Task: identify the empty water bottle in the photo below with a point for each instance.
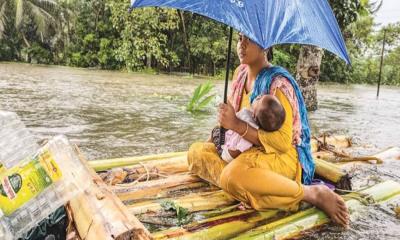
(37, 185)
(16, 142)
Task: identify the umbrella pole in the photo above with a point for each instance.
(228, 63)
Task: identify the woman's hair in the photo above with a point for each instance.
(269, 54)
(271, 115)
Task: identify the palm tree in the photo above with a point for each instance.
(3, 17)
(66, 17)
(43, 14)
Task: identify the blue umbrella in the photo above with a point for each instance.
(268, 22)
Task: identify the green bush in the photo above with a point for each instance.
(37, 54)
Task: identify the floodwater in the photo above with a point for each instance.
(112, 114)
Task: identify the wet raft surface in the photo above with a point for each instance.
(173, 203)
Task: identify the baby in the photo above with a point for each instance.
(266, 113)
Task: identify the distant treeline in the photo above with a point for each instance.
(103, 34)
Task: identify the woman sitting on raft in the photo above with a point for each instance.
(276, 172)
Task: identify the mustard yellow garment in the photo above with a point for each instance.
(265, 177)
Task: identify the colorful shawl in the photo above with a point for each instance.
(238, 86)
(284, 85)
(268, 80)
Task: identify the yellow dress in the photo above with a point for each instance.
(267, 177)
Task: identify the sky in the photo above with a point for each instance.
(389, 12)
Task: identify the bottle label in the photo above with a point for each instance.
(25, 181)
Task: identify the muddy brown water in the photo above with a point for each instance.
(112, 114)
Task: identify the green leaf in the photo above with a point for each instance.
(182, 213)
(205, 102)
(199, 100)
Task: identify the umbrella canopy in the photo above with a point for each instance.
(269, 22)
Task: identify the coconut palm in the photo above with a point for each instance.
(67, 15)
(42, 13)
(3, 17)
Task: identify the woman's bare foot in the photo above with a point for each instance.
(329, 202)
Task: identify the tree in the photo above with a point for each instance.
(366, 68)
(144, 35)
(30, 18)
(359, 42)
(94, 38)
(43, 14)
(208, 40)
(307, 74)
(310, 58)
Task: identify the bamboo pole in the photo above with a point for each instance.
(148, 170)
(172, 163)
(325, 155)
(224, 226)
(153, 188)
(179, 164)
(106, 164)
(338, 141)
(192, 202)
(324, 169)
(387, 155)
(98, 213)
(163, 166)
(72, 232)
(233, 223)
(332, 173)
(113, 176)
(293, 225)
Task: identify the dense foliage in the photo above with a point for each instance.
(104, 34)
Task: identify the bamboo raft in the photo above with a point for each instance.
(155, 197)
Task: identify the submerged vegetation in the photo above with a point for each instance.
(103, 34)
(200, 100)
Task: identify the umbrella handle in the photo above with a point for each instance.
(228, 63)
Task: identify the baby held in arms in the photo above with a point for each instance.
(266, 113)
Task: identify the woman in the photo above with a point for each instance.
(270, 174)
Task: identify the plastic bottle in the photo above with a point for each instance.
(16, 142)
(38, 185)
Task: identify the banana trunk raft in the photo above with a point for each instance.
(156, 197)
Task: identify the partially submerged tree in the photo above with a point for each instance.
(310, 58)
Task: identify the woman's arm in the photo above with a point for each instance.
(228, 119)
(251, 135)
(280, 140)
(230, 97)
